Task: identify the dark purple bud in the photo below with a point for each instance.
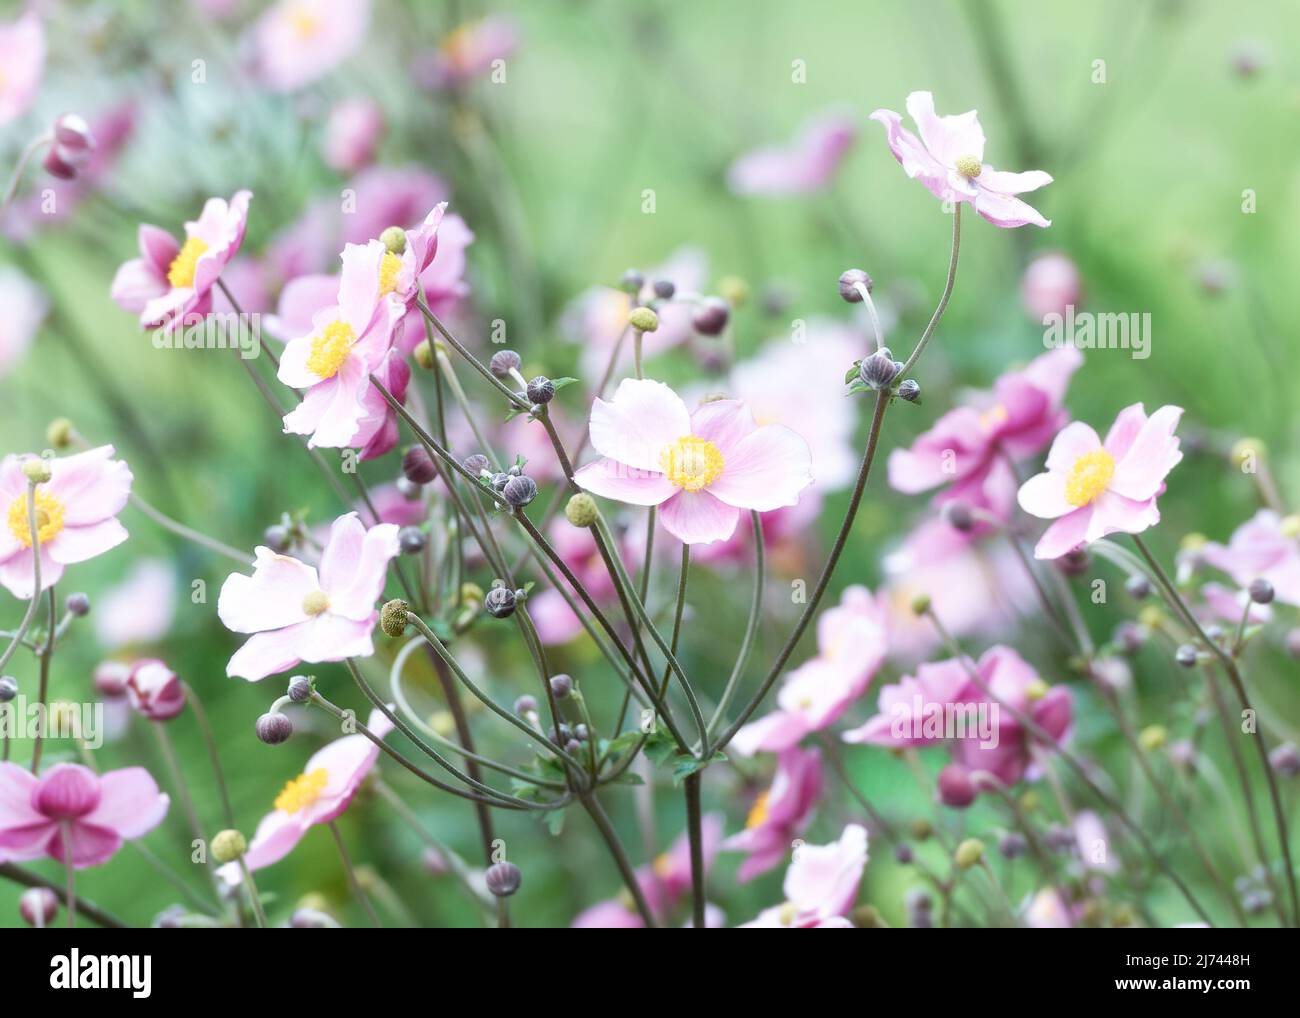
(519, 491)
(1261, 591)
(1012, 845)
(299, 689)
(711, 316)
(274, 728)
(561, 685)
(850, 280)
(910, 390)
(1285, 759)
(418, 465)
(1130, 637)
(476, 464)
(1074, 563)
(1186, 655)
(541, 390)
(955, 787)
(632, 281)
(664, 289)
(411, 540)
(879, 369)
(500, 602)
(503, 362)
(503, 879)
(277, 537)
(958, 516)
(77, 604)
(1138, 587)
(525, 705)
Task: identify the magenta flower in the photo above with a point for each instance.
(780, 814)
(298, 41)
(1265, 547)
(700, 469)
(95, 812)
(171, 285)
(76, 514)
(820, 885)
(25, 306)
(469, 51)
(909, 711)
(297, 613)
(808, 164)
(155, 691)
(1093, 488)
(352, 134)
(948, 159)
(22, 55)
(318, 795)
(850, 648)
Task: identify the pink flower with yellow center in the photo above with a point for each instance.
(700, 469)
(298, 41)
(1093, 488)
(170, 284)
(780, 814)
(298, 612)
(76, 512)
(469, 51)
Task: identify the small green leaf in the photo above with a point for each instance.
(560, 383)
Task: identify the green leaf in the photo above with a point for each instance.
(560, 383)
(852, 372)
(688, 765)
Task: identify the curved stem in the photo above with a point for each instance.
(189, 534)
(751, 626)
(353, 882)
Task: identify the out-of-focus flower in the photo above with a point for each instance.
(171, 285)
(76, 516)
(390, 196)
(297, 613)
(73, 815)
(550, 612)
(352, 134)
(138, 610)
(155, 690)
(1267, 547)
(780, 814)
(394, 507)
(1050, 284)
(468, 52)
(1092, 488)
(22, 55)
(318, 795)
(298, 41)
(807, 164)
(909, 711)
(948, 159)
(700, 469)
(1224, 605)
(820, 885)
(1048, 910)
(24, 306)
(1094, 843)
(851, 646)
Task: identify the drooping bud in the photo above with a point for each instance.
(8, 688)
(392, 617)
(581, 510)
(526, 705)
(711, 316)
(969, 853)
(643, 319)
(500, 602)
(1138, 587)
(476, 463)
(77, 605)
(394, 239)
(503, 362)
(503, 879)
(300, 689)
(274, 728)
(110, 678)
(541, 390)
(57, 164)
(519, 491)
(1261, 591)
(155, 690)
(850, 280)
(418, 465)
(228, 845)
(561, 685)
(38, 906)
(60, 433)
(411, 540)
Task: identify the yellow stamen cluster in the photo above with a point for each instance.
(302, 791)
(968, 166)
(304, 21)
(330, 348)
(1089, 477)
(758, 812)
(390, 266)
(181, 271)
(316, 603)
(993, 417)
(692, 463)
(49, 518)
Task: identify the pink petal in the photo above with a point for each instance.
(1066, 534)
(1005, 211)
(130, 803)
(1076, 439)
(355, 564)
(275, 837)
(765, 470)
(913, 156)
(1005, 182)
(947, 138)
(92, 485)
(696, 517)
(86, 845)
(610, 478)
(135, 284)
(772, 734)
(1141, 471)
(1113, 513)
(77, 544)
(1128, 422)
(16, 785)
(18, 577)
(643, 419)
(332, 638)
(158, 248)
(293, 370)
(724, 422)
(269, 599)
(266, 654)
(1044, 496)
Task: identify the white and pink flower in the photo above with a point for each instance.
(155, 690)
(298, 41)
(820, 886)
(807, 164)
(1265, 547)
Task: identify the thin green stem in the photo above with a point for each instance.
(353, 882)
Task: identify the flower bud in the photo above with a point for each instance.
(36, 470)
(632, 281)
(920, 604)
(643, 319)
(475, 464)
(664, 289)
(394, 240)
(1186, 655)
(1138, 587)
(66, 791)
(277, 537)
(519, 491)
(1012, 845)
(1153, 737)
(155, 691)
(8, 688)
(73, 134)
(411, 540)
(955, 787)
(572, 747)
(312, 919)
(110, 678)
(969, 853)
(734, 290)
(500, 602)
(392, 618)
(1075, 563)
(58, 164)
(418, 465)
(300, 689)
(561, 685)
(541, 390)
(503, 879)
(711, 316)
(77, 605)
(581, 732)
(228, 845)
(879, 369)
(1261, 591)
(903, 854)
(60, 433)
(958, 516)
(274, 728)
(503, 362)
(1129, 637)
(921, 829)
(424, 355)
(1285, 759)
(850, 279)
(38, 906)
(525, 705)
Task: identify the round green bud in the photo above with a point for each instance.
(394, 239)
(921, 829)
(392, 617)
(36, 470)
(228, 845)
(734, 290)
(1153, 737)
(424, 355)
(581, 510)
(643, 319)
(59, 433)
(471, 593)
(1036, 690)
(920, 604)
(968, 853)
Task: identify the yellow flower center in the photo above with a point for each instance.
(49, 518)
(389, 268)
(181, 272)
(302, 791)
(993, 417)
(304, 21)
(663, 865)
(316, 603)
(692, 463)
(968, 166)
(758, 812)
(1089, 477)
(330, 349)
(788, 913)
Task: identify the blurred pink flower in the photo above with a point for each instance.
(1224, 605)
(22, 55)
(297, 613)
(552, 615)
(352, 133)
(1092, 488)
(1048, 910)
(298, 41)
(780, 814)
(903, 707)
(948, 159)
(701, 469)
(1267, 547)
(170, 284)
(155, 691)
(318, 795)
(387, 196)
(468, 51)
(820, 885)
(76, 516)
(851, 645)
(1049, 285)
(94, 812)
(300, 300)
(394, 507)
(807, 164)
(24, 306)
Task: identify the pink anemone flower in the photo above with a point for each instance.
(73, 815)
(325, 788)
(1265, 547)
(22, 55)
(700, 469)
(808, 164)
(352, 134)
(820, 885)
(1093, 488)
(170, 284)
(298, 41)
(76, 516)
(468, 52)
(780, 814)
(948, 159)
(297, 613)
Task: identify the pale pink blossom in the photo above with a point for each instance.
(76, 516)
(390, 196)
(469, 51)
(22, 57)
(138, 610)
(352, 134)
(820, 886)
(319, 795)
(25, 306)
(1050, 285)
(1222, 604)
(95, 813)
(948, 159)
(170, 284)
(700, 469)
(1265, 547)
(298, 41)
(780, 814)
(1093, 488)
(1049, 910)
(155, 690)
(298, 613)
(807, 164)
